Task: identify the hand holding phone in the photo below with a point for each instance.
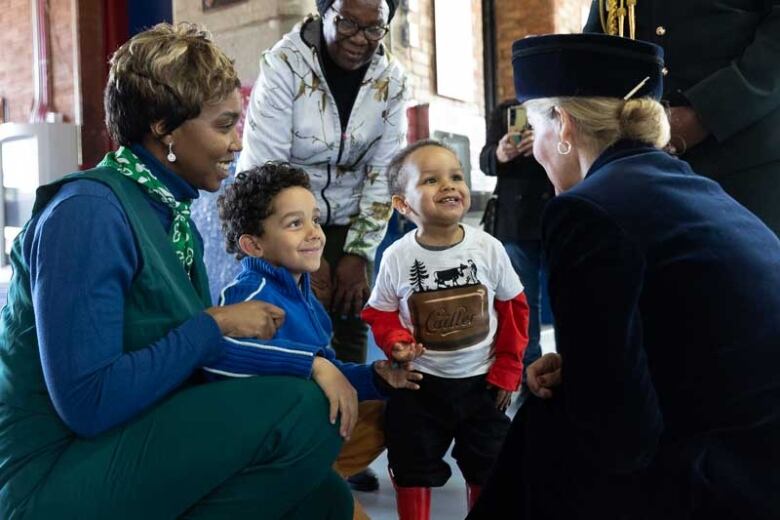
(518, 139)
(516, 123)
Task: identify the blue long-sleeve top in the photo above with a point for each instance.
(83, 259)
(305, 334)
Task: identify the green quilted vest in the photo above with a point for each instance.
(161, 298)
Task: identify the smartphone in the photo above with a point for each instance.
(516, 122)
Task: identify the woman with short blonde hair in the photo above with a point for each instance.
(603, 121)
(665, 293)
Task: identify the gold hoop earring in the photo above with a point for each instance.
(564, 147)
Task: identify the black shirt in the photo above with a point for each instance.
(344, 84)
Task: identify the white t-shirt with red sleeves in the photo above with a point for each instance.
(445, 298)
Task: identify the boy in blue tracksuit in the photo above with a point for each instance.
(272, 224)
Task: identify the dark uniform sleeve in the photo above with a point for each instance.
(596, 277)
(495, 131)
(747, 89)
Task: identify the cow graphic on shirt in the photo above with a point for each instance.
(448, 276)
(449, 307)
(462, 274)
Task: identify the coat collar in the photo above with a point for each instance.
(283, 278)
(619, 150)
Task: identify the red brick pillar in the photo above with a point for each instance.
(517, 19)
(95, 30)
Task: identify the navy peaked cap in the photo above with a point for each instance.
(592, 65)
(324, 5)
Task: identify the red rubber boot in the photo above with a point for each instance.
(412, 503)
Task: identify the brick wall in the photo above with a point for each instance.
(76, 66)
(64, 65)
(16, 55)
(245, 29)
(16, 73)
(517, 19)
(417, 53)
(415, 50)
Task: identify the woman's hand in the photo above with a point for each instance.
(252, 319)
(686, 128)
(526, 145)
(321, 283)
(341, 395)
(503, 397)
(405, 352)
(508, 149)
(350, 290)
(544, 374)
(398, 376)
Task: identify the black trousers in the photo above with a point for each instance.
(543, 474)
(350, 333)
(421, 425)
(539, 476)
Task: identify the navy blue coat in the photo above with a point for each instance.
(666, 297)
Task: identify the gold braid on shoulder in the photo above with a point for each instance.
(613, 15)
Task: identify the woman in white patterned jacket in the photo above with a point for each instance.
(331, 100)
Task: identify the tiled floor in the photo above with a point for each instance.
(447, 502)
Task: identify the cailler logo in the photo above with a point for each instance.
(441, 322)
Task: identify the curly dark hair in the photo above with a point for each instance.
(249, 200)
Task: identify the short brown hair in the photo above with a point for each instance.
(166, 73)
(396, 177)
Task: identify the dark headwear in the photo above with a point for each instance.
(597, 65)
(324, 5)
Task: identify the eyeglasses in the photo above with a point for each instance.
(348, 28)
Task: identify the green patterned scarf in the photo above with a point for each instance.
(128, 164)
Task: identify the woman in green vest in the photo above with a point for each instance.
(109, 318)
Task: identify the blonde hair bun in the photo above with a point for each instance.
(646, 121)
(603, 121)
